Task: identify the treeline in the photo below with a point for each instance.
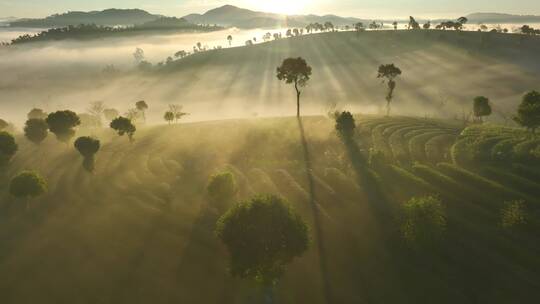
(85, 31)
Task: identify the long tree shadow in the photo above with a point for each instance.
(323, 264)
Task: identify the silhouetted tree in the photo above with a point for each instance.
(222, 189)
(27, 185)
(345, 125)
(481, 107)
(62, 124)
(138, 55)
(249, 43)
(389, 72)
(88, 147)
(180, 54)
(263, 235)
(424, 221)
(359, 27)
(142, 107)
(110, 114)
(528, 115)
(462, 20)
(288, 33)
(36, 114)
(169, 116)
(297, 72)
(413, 24)
(123, 126)
(177, 111)
(329, 26)
(395, 24)
(229, 38)
(8, 147)
(96, 109)
(36, 130)
(427, 25)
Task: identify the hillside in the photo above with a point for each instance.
(151, 224)
(229, 15)
(502, 18)
(108, 17)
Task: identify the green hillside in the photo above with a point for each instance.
(140, 229)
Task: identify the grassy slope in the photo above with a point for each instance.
(435, 63)
(139, 229)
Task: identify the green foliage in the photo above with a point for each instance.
(27, 184)
(513, 214)
(8, 147)
(36, 113)
(424, 221)
(389, 72)
(294, 70)
(222, 188)
(36, 130)
(377, 159)
(345, 125)
(262, 235)
(61, 123)
(123, 126)
(481, 107)
(87, 146)
(528, 114)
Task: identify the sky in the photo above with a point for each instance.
(352, 8)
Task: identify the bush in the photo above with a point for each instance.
(513, 214)
(424, 221)
(36, 130)
(262, 235)
(27, 184)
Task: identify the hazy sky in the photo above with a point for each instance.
(357, 8)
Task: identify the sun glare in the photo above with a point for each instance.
(282, 6)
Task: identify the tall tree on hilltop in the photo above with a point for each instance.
(389, 72)
(295, 71)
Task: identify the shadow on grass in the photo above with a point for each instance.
(316, 215)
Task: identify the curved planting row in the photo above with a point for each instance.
(488, 143)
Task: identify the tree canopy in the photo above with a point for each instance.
(345, 125)
(388, 72)
(36, 113)
(36, 130)
(61, 123)
(3, 124)
(528, 114)
(27, 184)
(222, 187)
(297, 72)
(262, 235)
(123, 126)
(424, 221)
(88, 147)
(8, 147)
(481, 107)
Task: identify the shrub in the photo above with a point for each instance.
(123, 126)
(424, 221)
(27, 185)
(513, 214)
(61, 123)
(345, 125)
(88, 147)
(262, 235)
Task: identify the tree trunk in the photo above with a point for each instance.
(388, 108)
(297, 99)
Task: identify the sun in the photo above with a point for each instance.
(288, 7)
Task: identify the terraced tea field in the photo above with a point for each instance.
(140, 228)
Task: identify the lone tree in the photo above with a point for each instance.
(222, 189)
(528, 114)
(424, 221)
(481, 107)
(27, 185)
(8, 147)
(88, 147)
(169, 117)
(123, 126)
(229, 38)
(36, 113)
(62, 124)
(262, 235)
(389, 72)
(142, 107)
(36, 130)
(345, 125)
(111, 114)
(177, 111)
(297, 72)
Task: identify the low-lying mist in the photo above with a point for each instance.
(442, 73)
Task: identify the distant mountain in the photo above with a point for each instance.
(502, 18)
(229, 15)
(109, 17)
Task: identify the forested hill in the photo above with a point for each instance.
(110, 17)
